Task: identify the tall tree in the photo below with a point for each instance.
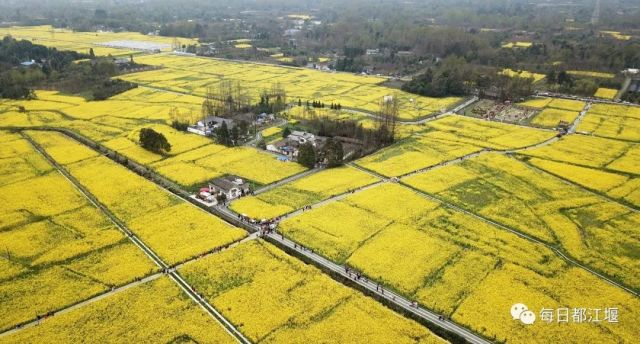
(223, 135)
(307, 155)
(333, 152)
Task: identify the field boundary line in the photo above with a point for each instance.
(188, 289)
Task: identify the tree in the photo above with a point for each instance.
(307, 155)
(91, 53)
(223, 135)
(333, 152)
(387, 119)
(565, 79)
(235, 135)
(243, 126)
(286, 132)
(154, 141)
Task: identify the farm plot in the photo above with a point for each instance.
(293, 301)
(486, 134)
(551, 118)
(303, 192)
(450, 137)
(413, 154)
(58, 249)
(612, 121)
(606, 93)
(614, 184)
(456, 264)
(554, 111)
(599, 233)
(591, 74)
(159, 310)
(590, 151)
(63, 39)
(193, 75)
(562, 104)
(522, 74)
(175, 229)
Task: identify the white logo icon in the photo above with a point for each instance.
(521, 312)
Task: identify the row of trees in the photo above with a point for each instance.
(231, 136)
(272, 100)
(229, 98)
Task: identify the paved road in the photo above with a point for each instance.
(578, 119)
(188, 289)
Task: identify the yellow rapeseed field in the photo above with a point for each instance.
(215, 160)
(513, 45)
(413, 154)
(617, 35)
(522, 74)
(485, 133)
(616, 185)
(591, 151)
(58, 248)
(453, 263)
(271, 131)
(453, 137)
(502, 186)
(293, 301)
(176, 230)
(606, 93)
(159, 310)
(61, 148)
(302, 192)
(551, 117)
(192, 75)
(591, 74)
(64, 39)
(536, 103)
(612, 121)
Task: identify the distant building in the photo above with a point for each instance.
(301, 137)
(265, 118)
(289, 147)
(373, 52)
(28, 64)
(291, 32)
(231, 186)
(122, 61)
(404, 53)
(208, 125)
